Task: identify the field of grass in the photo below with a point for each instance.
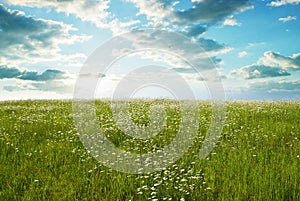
(257, 157)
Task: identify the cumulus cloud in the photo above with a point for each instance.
(194, 30)
(259, 71)
(242, 54)
(283, 2)
(212, 47)
(231, 21)
(6, 72)
(275, 59)
(193, 21)
(25, 38)
(160, 12)
(176, 43)
(27, 80)
(212, 11)
(93, 11)
(288, 18)
(209, 44)
(22, 74)
(50, 74)
(156, 11)
(87, 10)
(272, 64)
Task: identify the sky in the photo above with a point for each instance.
(253, 44)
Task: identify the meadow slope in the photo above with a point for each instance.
(257, 157)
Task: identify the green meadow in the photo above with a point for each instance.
(257, 157)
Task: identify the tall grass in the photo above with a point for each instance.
(257, 157)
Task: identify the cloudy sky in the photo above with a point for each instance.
(254, 44)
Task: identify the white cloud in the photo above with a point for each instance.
(242, 54)
(87, 10)
(155, 11)
(24, 74)
(231, 21)
(208, 11)
(258, 71)
(25, 39)
(51, 80)
(277, 60)
(272, 64)
(117, 27)
(93, 11)
(286, 19)
(160, 12)
(176, 43)
(193, 30)
(283, 2)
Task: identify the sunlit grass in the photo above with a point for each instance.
(257, 157)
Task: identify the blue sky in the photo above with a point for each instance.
(255, 44)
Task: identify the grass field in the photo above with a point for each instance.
(257, 157)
